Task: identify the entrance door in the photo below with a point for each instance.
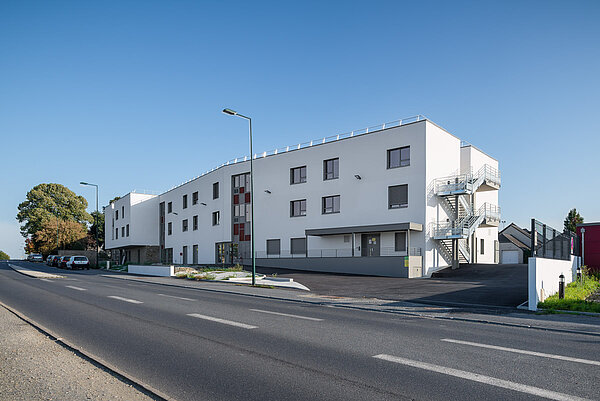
(185, 255)
(370, 245)
(195, 254)
(223, 253)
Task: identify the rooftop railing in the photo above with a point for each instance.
(314, 142)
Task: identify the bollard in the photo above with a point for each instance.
(578, 273)
(561, 287)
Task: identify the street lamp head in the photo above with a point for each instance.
(83, 183)
(230, 112)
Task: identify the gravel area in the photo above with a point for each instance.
(34, 367)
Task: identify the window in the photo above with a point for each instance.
(170, 207)
(298, 175)
(185, 201)
(399, 157)
(195, 198)
(298, 246)
(331, 169)
(398, 196)
(122, 231)
(184, 225)
(273, 247)
(481, 247)
(216, 218)
(347, 238)
(117, 233)
(116, 215)
(298, 208)
(195, 223)
(170, 228)
(127, 229)
(122, 212)
(216, 190)
(400, 242)
(331, 204)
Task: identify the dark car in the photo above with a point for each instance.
(56, 261)
(62, 261)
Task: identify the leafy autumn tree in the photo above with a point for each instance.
(69, 235)
(46, 202)
(572, 219)
(4, 256)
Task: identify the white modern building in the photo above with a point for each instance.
(402, 199)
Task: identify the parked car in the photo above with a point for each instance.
(62, 261)
(49, 259)
(56, 261)
(77, 262)
(35, 257)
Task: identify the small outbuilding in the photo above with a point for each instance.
(514, 244)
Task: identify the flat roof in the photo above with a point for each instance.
(365, 229)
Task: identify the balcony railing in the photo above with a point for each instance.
(336, 253)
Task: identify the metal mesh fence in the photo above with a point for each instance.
(549, 243)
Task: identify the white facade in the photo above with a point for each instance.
(334, 241)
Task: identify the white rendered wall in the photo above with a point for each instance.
(140, 211)
(543, 275)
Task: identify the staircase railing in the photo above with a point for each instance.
(467, 182)
(464, 227)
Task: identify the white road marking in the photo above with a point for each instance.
(229, 322)
(46, 280)
(521, 351)
(173, 296)
(492, 381)
(76, 288)
(288, 315)
(133, 301)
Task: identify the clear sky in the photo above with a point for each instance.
(128, 94)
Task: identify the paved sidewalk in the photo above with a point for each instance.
(503, 316)
(34, 367)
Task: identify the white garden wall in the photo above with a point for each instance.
(543, 277)
(158, 271)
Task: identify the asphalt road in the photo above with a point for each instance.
(202, 345)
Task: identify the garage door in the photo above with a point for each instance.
(509, 257)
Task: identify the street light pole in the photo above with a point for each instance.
(95, 221)
(234, 113)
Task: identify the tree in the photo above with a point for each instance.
(572, 219)
(98, 217)
(4, 256)
(48, 202)
(116, 198)
(69, 235)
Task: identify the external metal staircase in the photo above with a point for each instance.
(456, 195)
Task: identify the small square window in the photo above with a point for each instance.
(399, 157)
(298, 246)
(298, 175)
(398, 196)
(298, 208)
(400, 241)
(331, 204)
(273, 247)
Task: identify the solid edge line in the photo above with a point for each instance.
(93, 359)
(479, 378)
(523, 351)
(414, 314)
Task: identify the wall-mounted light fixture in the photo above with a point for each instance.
(203, 204)
(358, 177)
(267, 191)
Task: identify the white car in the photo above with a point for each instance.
(35, 257)
(77, 262)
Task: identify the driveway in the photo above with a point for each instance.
(488, 285)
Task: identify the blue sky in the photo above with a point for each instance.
(128, 94)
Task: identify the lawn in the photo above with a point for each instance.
(575, 297)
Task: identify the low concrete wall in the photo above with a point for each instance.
(387, 266)
(543, 277)
(159, 271)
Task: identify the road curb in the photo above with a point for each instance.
(24, 271)
(363, 308)
(95, 360)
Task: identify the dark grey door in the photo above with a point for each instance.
(195, 254)
(370, 245)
